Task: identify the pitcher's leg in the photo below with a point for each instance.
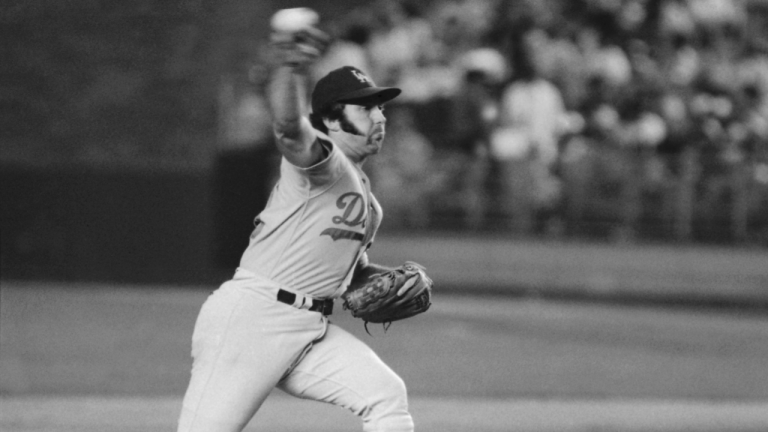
(342, 370)
(241, 350)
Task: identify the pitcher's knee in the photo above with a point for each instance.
(387, 411)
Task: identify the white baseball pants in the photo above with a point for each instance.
(245, 343)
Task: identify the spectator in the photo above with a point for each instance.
(461, 25)
(409, 54)
(400, 41)
(604, 58)
(563, 65)
(591, 162)
(683, 62)
(464, 151)
(525, 146)
(687, 57)
(680, 151)
(676, 20)
(640, 132)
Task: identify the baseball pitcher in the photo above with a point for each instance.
(268, 326)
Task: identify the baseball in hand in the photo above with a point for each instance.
(294, 20)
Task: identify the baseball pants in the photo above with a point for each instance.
(245, 343)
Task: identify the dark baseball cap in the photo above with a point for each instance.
(349, 85)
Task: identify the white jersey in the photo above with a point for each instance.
(315, 227)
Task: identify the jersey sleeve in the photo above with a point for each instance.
(318, 177)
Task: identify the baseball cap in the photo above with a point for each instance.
(349, 85)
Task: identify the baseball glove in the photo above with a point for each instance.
(391, 296)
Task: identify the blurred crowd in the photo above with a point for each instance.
(620, 118)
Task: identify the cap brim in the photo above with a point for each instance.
(370, 96)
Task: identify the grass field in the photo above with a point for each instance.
(101, 357)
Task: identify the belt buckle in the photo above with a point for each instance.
(323, 306)
(326, 307)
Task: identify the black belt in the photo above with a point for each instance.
(323, 306)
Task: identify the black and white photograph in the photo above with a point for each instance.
(384, 216)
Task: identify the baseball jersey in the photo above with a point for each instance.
(316, 225)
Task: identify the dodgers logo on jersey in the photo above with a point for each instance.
(354, 214)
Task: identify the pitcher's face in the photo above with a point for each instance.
(366, 122)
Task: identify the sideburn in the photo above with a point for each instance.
(348, 127)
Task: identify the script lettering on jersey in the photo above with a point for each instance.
(354, 214)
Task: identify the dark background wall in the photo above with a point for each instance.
(92, 224)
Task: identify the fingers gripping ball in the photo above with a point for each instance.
(294, 20)
(391, 296)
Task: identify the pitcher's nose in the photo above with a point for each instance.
(377, 115)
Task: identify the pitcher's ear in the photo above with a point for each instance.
(332, 125)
